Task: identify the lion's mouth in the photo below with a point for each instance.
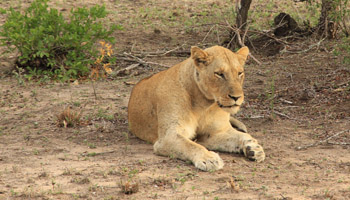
(222, 106)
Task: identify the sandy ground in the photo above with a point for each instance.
(292, 100)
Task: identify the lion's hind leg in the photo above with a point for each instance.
(234, 142)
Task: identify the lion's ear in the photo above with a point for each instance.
(200, 57)
(244, 51)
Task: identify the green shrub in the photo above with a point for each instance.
(49, 43)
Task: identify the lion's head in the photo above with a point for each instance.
(219, 75)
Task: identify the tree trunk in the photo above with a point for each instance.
(327, 26)
(242, 8)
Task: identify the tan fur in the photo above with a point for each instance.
(194, 100)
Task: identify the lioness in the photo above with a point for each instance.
(185, 110)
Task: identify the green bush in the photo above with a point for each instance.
(49, 43)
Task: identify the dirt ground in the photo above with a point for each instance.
(294, 103)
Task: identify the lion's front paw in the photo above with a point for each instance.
(254, 151)
(209, 161)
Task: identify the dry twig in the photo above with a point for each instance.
(96, 154)
(338, 143)
(205, 37)
(281, 114)
(176, 51)
(139, 60)
(323, 141)
(265, 33)
(127, 69)
(317, 44)
(132, 58)
(236, 30)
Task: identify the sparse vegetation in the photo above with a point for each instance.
(107, 162)
(69, 118)
(81, 180)
(271, 94)
(52, 46)
(345, 51)
(103, 114)
(129, 187)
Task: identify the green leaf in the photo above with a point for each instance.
(2, 11)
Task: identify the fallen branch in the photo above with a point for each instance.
(322, 141)
(131, 58)
(338, 143)
(256, 116)
(305, 50)
(127, 69)
(285, 101)
(265, 33)
(96, 154)
(282, 115)
(176, 51)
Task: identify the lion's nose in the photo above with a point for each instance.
(234, 97)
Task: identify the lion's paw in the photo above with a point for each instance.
(254, 151)
(209, 161)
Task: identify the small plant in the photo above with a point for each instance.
(126, 136)
(91, 145)
(343, 50)
(69, 118)
(92, 154)
(102, 114)
(67, 172)
(80, 180)
(13, 193)
(233, 185)
(94, 188)
(100, 67)
(18, 73)
(51, 44)
(161, 181)
(133, 173)
(76, 103)
(129, 187)
(270, 94)
(35, 152)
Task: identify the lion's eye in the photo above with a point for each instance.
(219, 74)
(240, 73)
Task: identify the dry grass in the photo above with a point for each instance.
(69, 118)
